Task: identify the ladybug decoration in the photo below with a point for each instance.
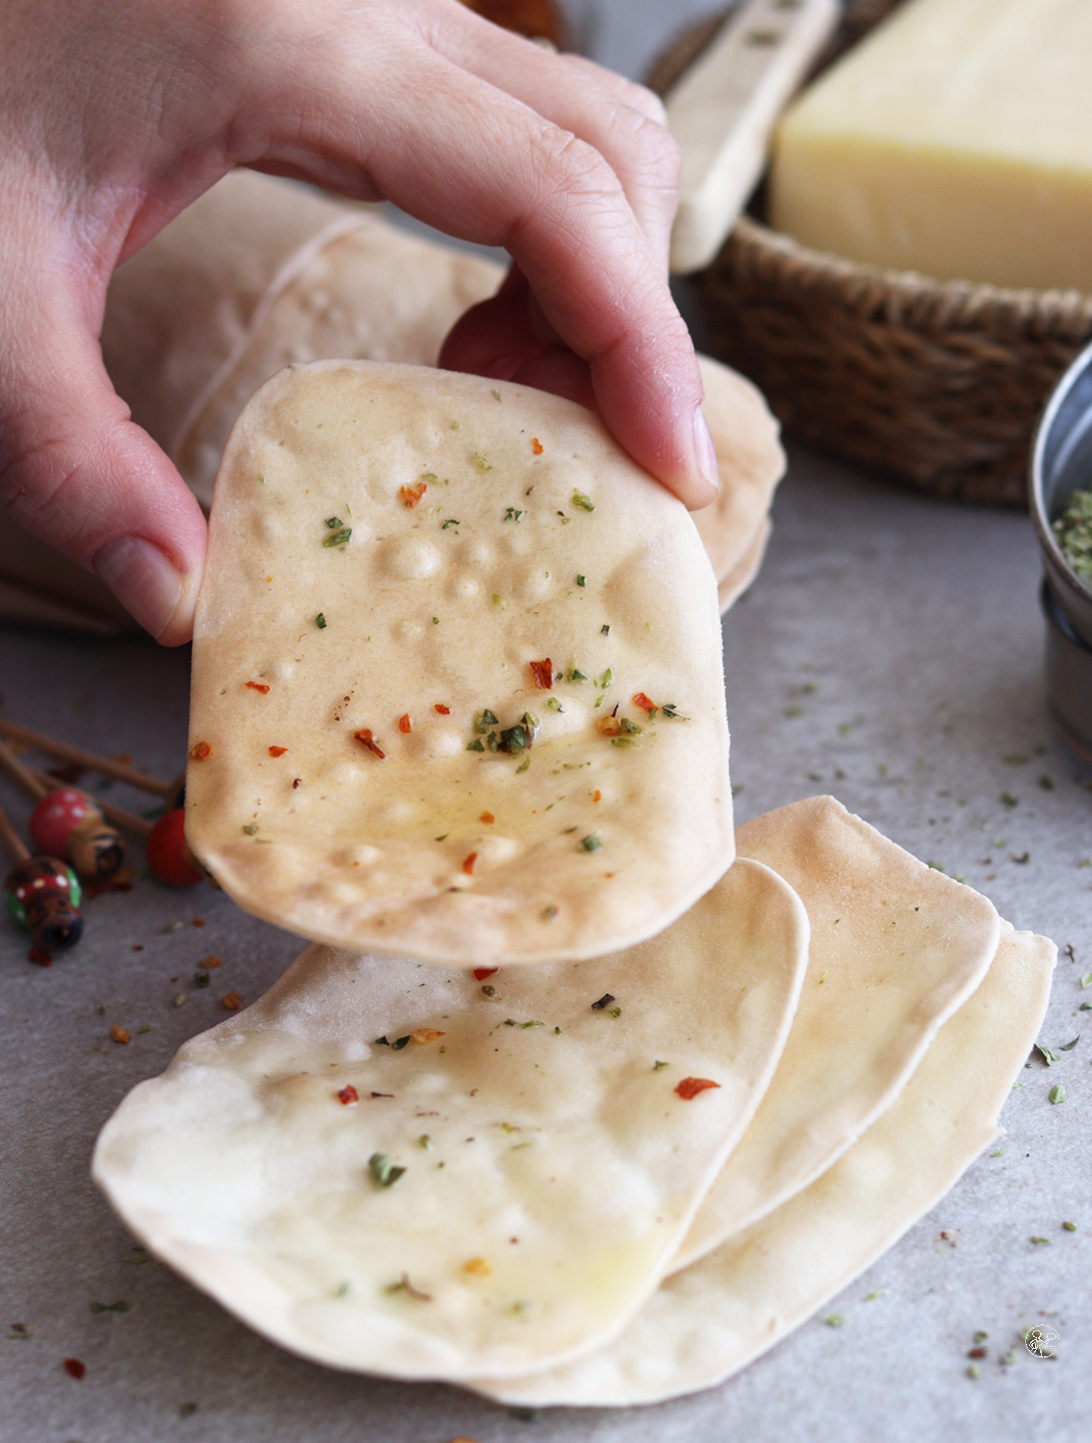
(43, 895)
(67, 823)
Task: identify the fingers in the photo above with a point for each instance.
(495, 339)
(480, 164)
(76, 472)
(623, 121)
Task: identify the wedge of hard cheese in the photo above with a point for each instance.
(956, 141)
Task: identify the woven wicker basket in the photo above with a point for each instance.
(937, 383)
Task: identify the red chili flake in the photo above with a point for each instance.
(277, 751)
(295, 782)
(443, 710)
(348, 1095)
(597, 796)
(468, 863)
(404, 723)
(40, 957)
(543, 673)
(256, 686)
(118, 1034)
(138, 947)
(211, 961)
(231, 1002)
(366, 739)
(690, 1087)
(411, 495)
(536, 445)
(197, 922)
(200, 752)
(481, 973)
(645, 704)
(74, 1368)
(487, 817)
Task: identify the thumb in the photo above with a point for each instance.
(77, 472)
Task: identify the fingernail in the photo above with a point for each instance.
(705, 451)
(144, 580)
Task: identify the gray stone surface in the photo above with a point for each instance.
(890, 653)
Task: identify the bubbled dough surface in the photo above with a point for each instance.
(373, 293)
(349, 856)
(564, 1161)
(183, 305)
(378, 294)
(712, 1319)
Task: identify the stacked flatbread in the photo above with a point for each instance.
(560, 1107)
(599, 1183)
(261, 273)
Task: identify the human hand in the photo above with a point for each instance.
(118, 113)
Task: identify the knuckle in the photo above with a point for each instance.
(574, 167)
(647, 103)
(43, 474)
(35, 473)
(658, 149)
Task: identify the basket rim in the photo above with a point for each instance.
(942, 302)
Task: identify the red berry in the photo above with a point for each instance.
(52, 820)
(168, 856)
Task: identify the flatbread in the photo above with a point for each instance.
(896, 948)
(739, 579)
(492, 527)
(373, 293)
(180, 310)
(708, 1322)
(750, 462)
(551, 1165)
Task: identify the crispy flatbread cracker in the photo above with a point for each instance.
(457, 687)
(551, 1161)
(896, 948)
(738, 580)
(373, 293)
(712, 1319)
(181, 309)
(750, 461)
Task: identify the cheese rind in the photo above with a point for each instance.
(956, 141)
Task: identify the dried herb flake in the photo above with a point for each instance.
(384, 1169)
